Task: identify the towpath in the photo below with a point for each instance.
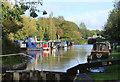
(83, 77)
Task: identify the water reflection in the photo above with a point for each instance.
(59, 59)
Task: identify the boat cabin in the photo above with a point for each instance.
(100, 51)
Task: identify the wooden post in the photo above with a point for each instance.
(0, 77)
(8, 76)
(57, 77)
(16, 76)
(31, 74)
(28, 76)
(43, 75)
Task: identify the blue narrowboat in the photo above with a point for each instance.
(20, 43)
(33, 44)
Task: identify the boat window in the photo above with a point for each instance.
(94, 47)
(32, 39)
(32, 43)
(104, 47)
(100, 47)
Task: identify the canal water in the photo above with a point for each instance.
(59, 59)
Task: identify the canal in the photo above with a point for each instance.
(58, 59)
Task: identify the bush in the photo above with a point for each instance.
(8, 47)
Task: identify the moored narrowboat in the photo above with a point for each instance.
(100, 50)
(33, 44)
(46, 46)
(62, 44)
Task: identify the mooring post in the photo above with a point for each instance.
(16, 76)
(0, 77)
(36, 75)
(57, 77)
(43, 75)
(31, 75)
(28, 76)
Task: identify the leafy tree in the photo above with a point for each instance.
(112, 27)
(29, 28)
(29, 5)
(40, 32)
(82, 25)
(87, 33)
(60, 31)
(11, 20)
(61, 18)
(68, 29)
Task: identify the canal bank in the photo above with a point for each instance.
(51, 65)
(109, 73)
(58, 60)
(16, 61)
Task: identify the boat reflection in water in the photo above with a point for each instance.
(59, 59)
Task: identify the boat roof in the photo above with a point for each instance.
(100, 43)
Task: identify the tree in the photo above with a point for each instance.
(11, 20)
(29, 28)
(40, 32)
(82, 25)
(29, 5)
(61, 18)
(112, 27)
(60, 32)
(51, 28)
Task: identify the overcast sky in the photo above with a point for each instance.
(93, 13)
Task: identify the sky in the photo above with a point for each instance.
(94, 13)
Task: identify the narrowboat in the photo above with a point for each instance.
(33, 44)
(20, 43)
(69, 43)
(100, 50)
(62, 44)
(46, 46)
(52, 44)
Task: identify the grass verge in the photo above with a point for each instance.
(111, 72)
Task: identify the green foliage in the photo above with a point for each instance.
(83, 26)
(12, 60)
(101, 40)
(112, 27)
(87, 33)
(18, 27)
(53, 27)
(33, 14)
(11, 20)
(29, 29)
(70, 30)
(30, 6)
(8, 47)
(79, 41)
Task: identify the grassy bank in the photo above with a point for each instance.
(8, 47)
(12, 60)
(111, 72)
